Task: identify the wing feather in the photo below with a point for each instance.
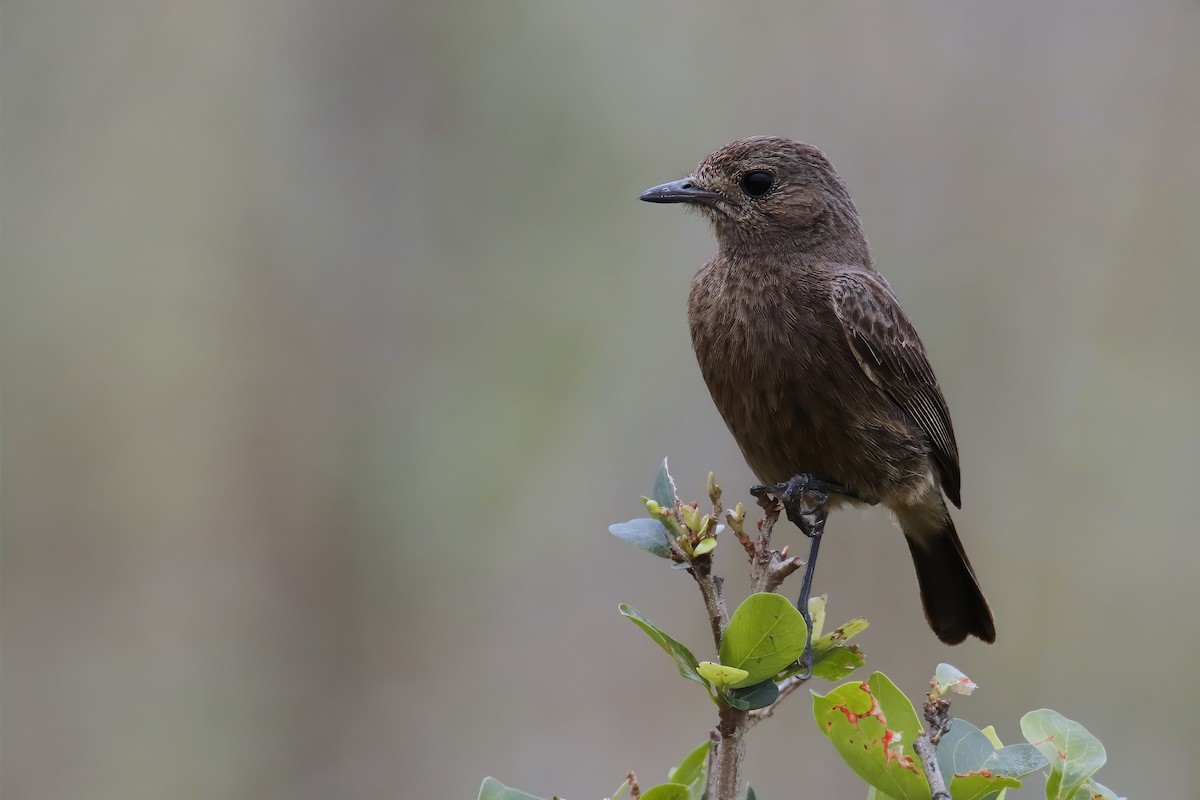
(890, 353)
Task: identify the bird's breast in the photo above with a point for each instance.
(775, 358)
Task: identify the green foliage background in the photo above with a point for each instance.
(334, 337)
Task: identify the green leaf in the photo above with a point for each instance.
(765, 635)
(692, 770)
(990, 732)
(664, 487)
(837, 664)
(648, 534)
(978, 786)
(720, 675)
(667, 791)
(1094, 790)
(1073, 753)
(760, 695)
(871, 725)
(975, 769)
(833, 658)
(816, 610)
(493, 789)
(705, 546)
(683, 657)
(1016, 760)
(839, 636)
(963, 749)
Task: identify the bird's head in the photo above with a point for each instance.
(766, 191)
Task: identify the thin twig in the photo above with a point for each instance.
(780, 570)
(728, 747)
(712, 590)
(768, 568)
(746, 541)
(928, 755)
(761, 558)
(937, 714)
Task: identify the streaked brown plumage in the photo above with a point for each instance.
(814, 365)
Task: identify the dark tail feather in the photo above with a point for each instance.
(954, 604)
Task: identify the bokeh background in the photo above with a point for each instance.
(334, 337)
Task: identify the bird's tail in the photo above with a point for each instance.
(950, 593)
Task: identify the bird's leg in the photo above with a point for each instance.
(814, 544)
(806, 499)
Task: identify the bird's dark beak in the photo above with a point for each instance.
(681, 191)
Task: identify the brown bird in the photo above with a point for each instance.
(815, 367)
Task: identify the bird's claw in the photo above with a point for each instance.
(803, 498)
(806, 661)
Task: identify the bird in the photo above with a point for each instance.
(816, 369)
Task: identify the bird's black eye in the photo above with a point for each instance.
(757, 183)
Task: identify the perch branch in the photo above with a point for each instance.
(937, 714)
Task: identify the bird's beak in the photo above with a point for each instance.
(681, 191)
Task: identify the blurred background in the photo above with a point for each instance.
(334, 337)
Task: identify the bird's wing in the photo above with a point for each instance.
(887, 348)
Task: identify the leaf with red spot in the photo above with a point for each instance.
(898, 709)
(872, 726)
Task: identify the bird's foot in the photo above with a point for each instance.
(804, 499)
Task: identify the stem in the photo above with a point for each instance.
(933, 773)
(711, 588)
(937, 714)
(728, 752)
(762, 558)
(728, 748)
